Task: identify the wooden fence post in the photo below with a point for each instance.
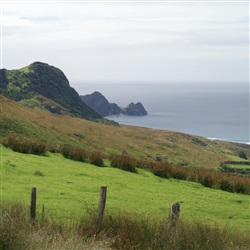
(33, 204)
(102, 203)
(174, 214)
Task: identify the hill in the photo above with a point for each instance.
(141, 143)
(101, 105)
(73, 187)
(136, 212)
(43, 86)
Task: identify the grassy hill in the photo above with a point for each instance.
(137, 203)
(40, 83)
(141, 143)
(69, 189)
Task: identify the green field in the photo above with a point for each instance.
(69, 189)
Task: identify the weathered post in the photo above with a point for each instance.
(174, 214)
(33, 204)
(102, 203)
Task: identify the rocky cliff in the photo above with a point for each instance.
(100, 104)
(134, 109)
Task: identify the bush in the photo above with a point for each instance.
(243, 155)
(76, 154)
(96, 160)
(26, 147)
(163, 170)
(124, 162)
(212, 179)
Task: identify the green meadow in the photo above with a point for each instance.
(69, 190)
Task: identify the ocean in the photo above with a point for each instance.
(212, 111)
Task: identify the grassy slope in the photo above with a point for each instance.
(69, 188)
(177, 148)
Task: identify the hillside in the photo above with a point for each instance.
(136, 212)
(73, 187)
(142, 143)
(42, 85)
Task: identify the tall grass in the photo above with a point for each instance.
(131, 232)
(18, 233)
(116, 232)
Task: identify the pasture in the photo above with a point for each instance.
(70, 190)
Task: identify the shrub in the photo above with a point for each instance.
(76, 154)
(163, 170)
(124, 162)
(243, 155)
(212, 179)
(26, 147)
(96, 160)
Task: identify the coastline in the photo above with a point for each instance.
(206, 130)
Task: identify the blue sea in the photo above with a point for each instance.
(214, 111)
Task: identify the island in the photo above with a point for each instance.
(101, 105)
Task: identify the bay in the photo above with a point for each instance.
(208, 110)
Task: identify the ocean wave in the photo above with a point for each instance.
(229, 140)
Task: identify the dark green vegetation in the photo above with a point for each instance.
(238, 167)
(116, 232)
(42, 86)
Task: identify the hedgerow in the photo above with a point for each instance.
(26, 147)
(212, 179)
(124, 162)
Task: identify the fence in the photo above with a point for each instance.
(172, 219)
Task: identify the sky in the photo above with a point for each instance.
(205, 42)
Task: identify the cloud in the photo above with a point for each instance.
(126, 41)
(39, 18)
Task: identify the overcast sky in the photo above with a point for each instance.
(130, 41)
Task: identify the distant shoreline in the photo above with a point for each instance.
(159, 124)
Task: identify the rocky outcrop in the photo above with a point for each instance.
(100, 104)
(134, 109)
(115, 109)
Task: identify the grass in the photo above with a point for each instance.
(68, 189)
(116, 232)
(236, 158)
(141, 143)
(238, 166)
